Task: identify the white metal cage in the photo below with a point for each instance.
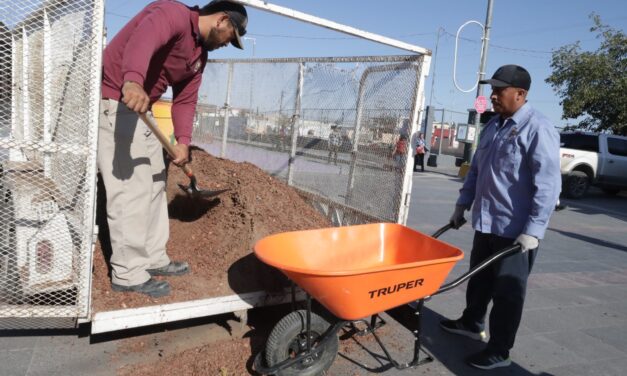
(50, 58)
(280, 113)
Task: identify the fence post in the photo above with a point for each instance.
(227, 106)
(296, 122)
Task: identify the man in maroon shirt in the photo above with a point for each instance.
(164, 45)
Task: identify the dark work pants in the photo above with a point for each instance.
(419, 160)
(505, 283)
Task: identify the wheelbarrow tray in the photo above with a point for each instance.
(357, 271)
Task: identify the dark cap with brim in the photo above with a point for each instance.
(510, 76)
(237, 14)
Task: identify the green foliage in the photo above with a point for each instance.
(593, 85)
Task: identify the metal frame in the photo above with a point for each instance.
(290, 13)
(47, 24)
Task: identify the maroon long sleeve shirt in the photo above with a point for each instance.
(159, 47)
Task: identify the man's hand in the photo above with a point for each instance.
(181, 155)
(527, 242)
(134, 97)
(457, 219)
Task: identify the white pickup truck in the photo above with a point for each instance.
(592, 159)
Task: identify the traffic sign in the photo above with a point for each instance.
(481, 104)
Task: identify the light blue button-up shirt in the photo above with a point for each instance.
(514, 179)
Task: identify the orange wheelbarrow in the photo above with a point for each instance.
(354, 272)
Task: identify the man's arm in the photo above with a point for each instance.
(544, 163)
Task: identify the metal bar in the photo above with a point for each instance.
(482, 65)
(338, 59)
(97, 44)
(227, 106)
(47, 126)
(442, 133)
(501, 254)
(296, 122)
(25, 87)
(308, 335)
(418, 103)
(14, 104)
(287, 12)
(110, 321)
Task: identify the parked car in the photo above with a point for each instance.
(592, 159)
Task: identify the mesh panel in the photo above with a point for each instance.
(49, 72)
(289, 132)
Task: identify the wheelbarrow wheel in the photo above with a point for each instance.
(288, 339)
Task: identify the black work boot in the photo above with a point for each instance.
(173, 268)
(151, 287)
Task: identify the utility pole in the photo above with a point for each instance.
(435, 59)
(482, 66)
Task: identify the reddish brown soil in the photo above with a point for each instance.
(224, 358)
(215, 236)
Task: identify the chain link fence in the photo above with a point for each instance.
(50, 57)
(329, 127)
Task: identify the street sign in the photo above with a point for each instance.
(466, 133)
(481, 104)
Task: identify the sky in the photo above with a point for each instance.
(523, 33)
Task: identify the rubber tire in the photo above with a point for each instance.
(576, 184)
(286, 331)
(611, 191)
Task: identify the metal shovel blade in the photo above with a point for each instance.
(194, 192)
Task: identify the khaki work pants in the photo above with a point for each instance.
(130, 160)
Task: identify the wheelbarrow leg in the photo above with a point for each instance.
(417, 333)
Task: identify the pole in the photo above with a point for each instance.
(435, 58)
(442, 133)
(482, 65)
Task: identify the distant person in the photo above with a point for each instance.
(399, 154)
(421, 150)
(164, 45)
(512, 186)
(335, 141)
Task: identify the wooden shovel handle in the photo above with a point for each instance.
(164, 142)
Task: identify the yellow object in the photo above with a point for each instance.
(162, 112)
(463, 170)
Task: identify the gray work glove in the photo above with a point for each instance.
(457, 219)
(527, 242)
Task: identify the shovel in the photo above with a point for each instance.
(192, 189)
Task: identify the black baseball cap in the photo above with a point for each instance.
(237, 14)
(510, 76)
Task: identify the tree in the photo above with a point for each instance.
(593, 85)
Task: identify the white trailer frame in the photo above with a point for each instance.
(22, 109)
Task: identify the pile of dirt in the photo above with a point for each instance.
(220, 358)
(215, 236)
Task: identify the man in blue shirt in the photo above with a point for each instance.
(512, 186)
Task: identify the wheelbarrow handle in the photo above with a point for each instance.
(447, 227)
(499, 255)
(165, 143)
